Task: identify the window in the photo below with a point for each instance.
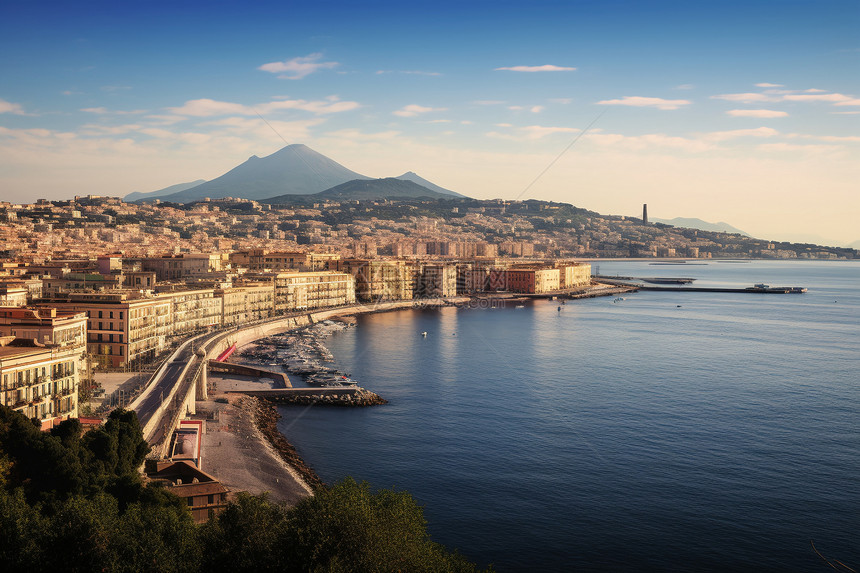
(100, 314)
(111, 314)
(120, 315)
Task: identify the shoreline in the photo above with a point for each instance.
(265, 413)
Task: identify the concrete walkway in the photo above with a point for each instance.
(234, 450)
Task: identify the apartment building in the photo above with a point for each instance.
(572, 275)
(243, 303)
(438, 280)
(13, 296)
(41, 356)
(377, 280)
(308, 291)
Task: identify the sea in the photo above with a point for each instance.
(652, 431)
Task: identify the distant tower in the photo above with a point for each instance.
(645, 214)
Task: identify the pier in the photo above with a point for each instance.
(754, 290)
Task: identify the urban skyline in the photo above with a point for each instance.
(745, 113)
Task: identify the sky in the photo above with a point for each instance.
(743, 112)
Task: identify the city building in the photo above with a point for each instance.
(39, 381)
(379, 280)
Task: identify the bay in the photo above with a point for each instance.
(667, 431)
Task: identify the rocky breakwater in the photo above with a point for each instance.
(347, 397)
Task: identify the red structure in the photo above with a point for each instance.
(226, 354)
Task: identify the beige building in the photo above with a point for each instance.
(377, 280)
(308, 291)
(260, 260)
(178, 267)
(246, 302)
(572, 275)
(13, 296)
(41, 356)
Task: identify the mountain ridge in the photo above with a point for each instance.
(694, 223)
(295, 169)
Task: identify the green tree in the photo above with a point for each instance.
(248, 535)
(349, 528)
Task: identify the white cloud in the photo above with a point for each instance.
(298, 68)
(831, 98)
(561, 100)
(731, 134)
(760, 113)
(209, 107)
(745, 97)
(767, 85)
(536, 109)
(638, 101)
(685, 87)
(9, 107)
(544, 68)
(412, 110)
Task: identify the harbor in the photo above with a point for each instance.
(301, 353)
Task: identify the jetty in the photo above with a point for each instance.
(758, 289)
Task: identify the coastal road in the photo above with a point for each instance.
(149, 406)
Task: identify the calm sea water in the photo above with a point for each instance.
(719, 435)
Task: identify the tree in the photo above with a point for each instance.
(349, 528)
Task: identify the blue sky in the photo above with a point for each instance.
(747, 113)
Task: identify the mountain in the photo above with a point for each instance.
(415, 178)
(138, 196)
(363, 189)
(692, 223)
(293, 170)
(854, 245)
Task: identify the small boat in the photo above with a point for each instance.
(424, 334)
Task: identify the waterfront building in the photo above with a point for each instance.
(192, 310)
(438, 280)
(310, 290)
(527, 280)
(243, 303)
(379, 280)
(572, 275)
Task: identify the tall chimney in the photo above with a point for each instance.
(645, 214)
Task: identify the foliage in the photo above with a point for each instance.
(74, 501)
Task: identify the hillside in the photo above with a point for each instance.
(364, 189)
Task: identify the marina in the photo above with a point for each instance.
(303, 354)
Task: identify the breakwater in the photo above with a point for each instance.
(349, 397)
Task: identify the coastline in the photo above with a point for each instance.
(265, 415)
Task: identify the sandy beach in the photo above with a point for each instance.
(235, 450)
